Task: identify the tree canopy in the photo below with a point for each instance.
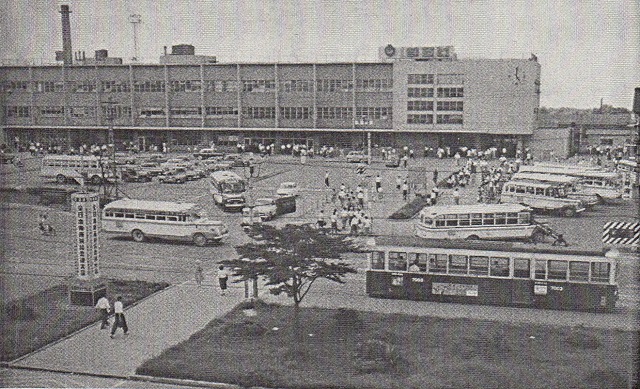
(290, 259)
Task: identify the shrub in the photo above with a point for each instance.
(376, 355)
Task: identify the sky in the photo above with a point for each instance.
(589, 50)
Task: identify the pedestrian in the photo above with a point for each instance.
(321, 222)
(334, 221)
(398, 182)
(223, 277)
(199, 273)
(119, 320)
(378, 182)
(456, 196)
(435, 176)
(405, 190)
(326, 179)
(103, 307)
(404, 161)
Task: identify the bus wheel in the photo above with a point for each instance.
(199, 240)
(61, 179)
(96, 180)
(137, 235)
(473, 237)
(569, 212)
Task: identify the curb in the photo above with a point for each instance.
(183, 382)
(44, 369)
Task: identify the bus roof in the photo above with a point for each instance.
(545, 177)
(414, 241)
(568, 172)
(225, 175)
(73, 157)
(567, 166)
(534, 184)
(148, 205)
(432, 211)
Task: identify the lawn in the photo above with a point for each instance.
(346, 348)
(33, 322)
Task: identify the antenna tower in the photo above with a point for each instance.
(135, 19)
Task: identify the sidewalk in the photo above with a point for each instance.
(155, 324)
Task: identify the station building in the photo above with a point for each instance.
(414, 96)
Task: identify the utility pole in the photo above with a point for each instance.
(135, 19)
(110, 115)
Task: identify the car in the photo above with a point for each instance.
(266, 208)
(125, 159)
(151, 168)
(208, 153)
(220, 165)
(356, 156)
(173, 176)
(195, 173)
(287, 189)
(130, 174)
(175, 163)
(157, 158)
(392, 161)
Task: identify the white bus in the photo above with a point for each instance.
(607, 185)
(571, 184)
(64, 168)
(227, 189)
(542, 196)
(478, 221)
(161, 219)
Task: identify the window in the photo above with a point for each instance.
(115, 86)
(450, 78)
(419, 105)
(440, 222)
(600, 271)
(476, 219)
(521, 189)
(374, 85)
(458, 264)
(450, 92)
(258, 86)
(49, 86)
(499, 267)
(512, 217)
(419, 119)
(52, 112)
(501, 218)
(221, 85)
(464, 219)
(83, 112)
(488, 219)
(330, 85)
(397, 261)
(539, 191)
(449, 119)
(540, 270)
(420, 259)
(451, 220)
(116, 111)
(186, 112)
(479, 265)
(335, 112)
(84, 87)
(377, 260)
(420, 92)
(579, 271)
(15, 86)
(18, 112)
(148, 86)
(557, 270)
(152, 113)
(259, 112)
(438, 263)
(521, 268)
(450, 106)
(420, 79)
(295, 112)
(373, 112)
(297, 86)
(219, 112)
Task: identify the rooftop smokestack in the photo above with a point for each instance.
(66, 35)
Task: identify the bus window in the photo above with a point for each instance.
(440, 221)
(520, 189)
(172, 218)
(428, 221)
(452, 220)
(540, 191)
(438, 263)
(521, 268)
(150, 217)
(464, 219)
(488, 219)
(578, 271)
(499, 267)
(161, 217)
(557, 270)
(479, 265)
(501, 218)
(476, 219)
(512, 218)
(139, 216)
(458, 264)
(541, 270)
(128, 215)
(419, 259)
(523, 217)
(377, 260)
(600, 271)
(397, 261)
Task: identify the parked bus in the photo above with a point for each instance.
(541, 196)
(142, 219)
(79, 168)
(480, 221)
(227, 189)
(607, 185)
(492, 274)
(571, 185)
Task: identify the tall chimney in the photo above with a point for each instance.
(66, 35)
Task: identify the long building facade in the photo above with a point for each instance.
(394, 102)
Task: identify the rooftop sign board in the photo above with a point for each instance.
(390, 53)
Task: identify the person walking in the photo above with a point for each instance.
(120, 321)
(223, 277)
(435, 176)
(326, 179)
(199, 276)
(456, 196)
(405, 190)
(378, 182)
(103, 307)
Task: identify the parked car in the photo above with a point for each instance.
(356, 156)
(266, 207)
(130, 174)
(175, 163)
(125, 159)
(208, 153)
(157, 158)
(287, 189)
(151, 168)
(174, 176)
(195, 173)
(220, 165)
(392, 161)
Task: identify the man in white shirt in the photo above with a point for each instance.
(120, 321)
(104, 307)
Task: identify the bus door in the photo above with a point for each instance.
(522, 289)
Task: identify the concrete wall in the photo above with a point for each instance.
(551, 142)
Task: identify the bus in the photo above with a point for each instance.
(491, 274)
(64, 168)
(541, 196)
(607, 185)
(142, 219)
(571, 185)
(478, 221)
(227, 189)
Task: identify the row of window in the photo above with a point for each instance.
(428, 119)
(561, 270)
(421, 79)
(523, 188)
(422, 105)
(441, 92)
(478, 219)
(146, 216)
